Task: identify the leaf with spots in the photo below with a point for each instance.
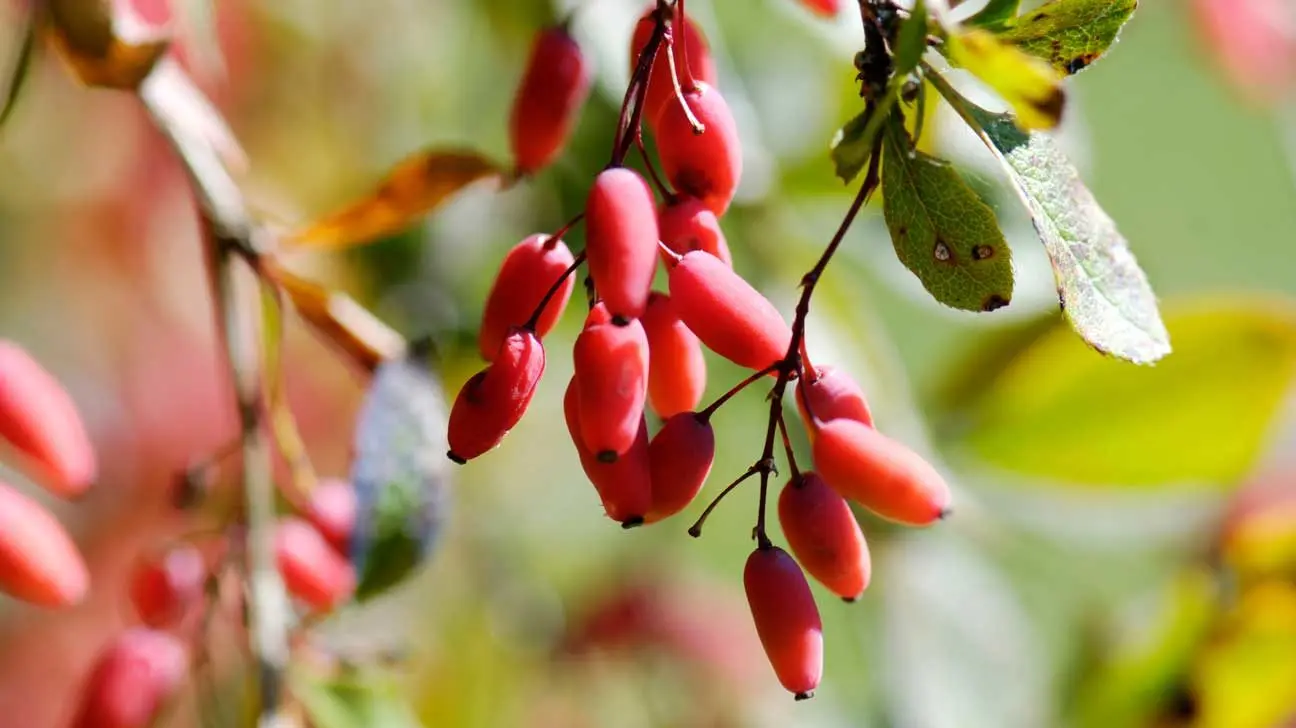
(941, 230)
(995, 14)
(1103, 291)
(1070, 34)
(1030, 86)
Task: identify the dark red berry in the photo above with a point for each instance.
(824, 535)
(529, 270)
(494, 399)
(548, 102)
(681, 455)
(787, 619)
(624, 486)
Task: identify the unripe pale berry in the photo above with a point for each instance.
(707, 166)
(134, 677)
(624, 486)
(661, 90)
(313, 571)
(824, 536)
(829, 394)
(611, 371)
(331, 509)
(548, 102)
(676, 366)
(686, 224)
(621, 240)
(787, 619)
(39, 419)
(166, 588)
(494, 399)
(681, 455)
(39, 563)
(730, 317)
(880, 473)
(529, 270)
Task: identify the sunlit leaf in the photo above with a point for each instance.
(911, 41)
(995, 14)
(21, 70)
(1247, 679)
(283, 424)
(943, 232)
(416, 186)
(1202, 416)
(1101, 287)
(342, 322)
(400, 473)
(1070, 34)
(1030, 86)
(352, 700)
(100, 50)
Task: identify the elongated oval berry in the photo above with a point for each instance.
(494, 399)
(624, 486)
(529, 270)
(829, 394)
(676, 366)
(824, 535)
(132, 681)
(39, 563)
(312, 570)
(880, 473)
(681, 455)
(548, 102)
(787, 620)
(611, 370)
(730, 317)
(621, 240)
(686, 224)
(166, 588)
(661, 89)
(707, 165)
(40, 420)
(331, 509)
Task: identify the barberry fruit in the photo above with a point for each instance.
(826, 8)
(166, 588)
(686, 224)
(730, 316)
(312, 571)
(39, 563)
(611, 369)
(494, 399)
(824, 535)
(681, 455)
(707, 165)
(40, 420)
(827, 393)
(132, 681)
(686, 37)
(529, 270)
(624, 486)
(786, 617)
(621, 240)
(880, 473)
(554, 86)
(676, 366)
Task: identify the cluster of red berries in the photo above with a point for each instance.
(643, 349)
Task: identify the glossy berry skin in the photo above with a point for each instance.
(621, 240)
(787, 620)
(313, 571)
(707, 166)
(880, 473)
(611, 371)
(331, 509)
(494, 399)
(661, 90)
(549, 99)
(39, 563)
(624, 486)
(39, 419)
(824, 536)
(167, 588)
(529, 270)
(686, 224)
(134, 677)
(681, 455)
(829, 394)
(676, 366)
(730, 317)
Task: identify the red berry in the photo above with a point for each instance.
(686, 224)
(624, 486)
(787, 620)
(681, 455)
(312, 570)
(826, 8)
(676, 366)
(707, 165)
(494, 399)
(880, 473)
(39, 563)
(661, 90)
(331, 509)
(40, 420)
(166, 588)
(621, 240)
(733, 319)
(553, 89)
(611, 370)
(824, 535)
(132, 680)
(831, 394)
(528, 272)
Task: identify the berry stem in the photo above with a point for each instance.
(662, 189)
(696, 529)
(632, 105)
(553, 290)
(787, 446)
(698, 127)
(705, 415)
(558, 234)
(688, 70)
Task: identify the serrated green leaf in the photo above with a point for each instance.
(943, 232)
(1201, 416)
(21, 70)
(1030, 86)
(995, 14)
(353, 700)
(911, 40)
(1070, 34)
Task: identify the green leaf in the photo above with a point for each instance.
(353, 699)
(941, 230)
(995, 14)
(21, 70)
(1201, 416)
(1030, 86)
(850, 150)
(1103, 292)
(911, 40)
(1070, 34)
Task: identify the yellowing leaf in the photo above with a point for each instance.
(416, 186)
(99, 50)
(1031, 86)
(1070, 34)
(341, 321)
(283, 423)
(1202, 416)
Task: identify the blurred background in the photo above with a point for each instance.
(1123, 550)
